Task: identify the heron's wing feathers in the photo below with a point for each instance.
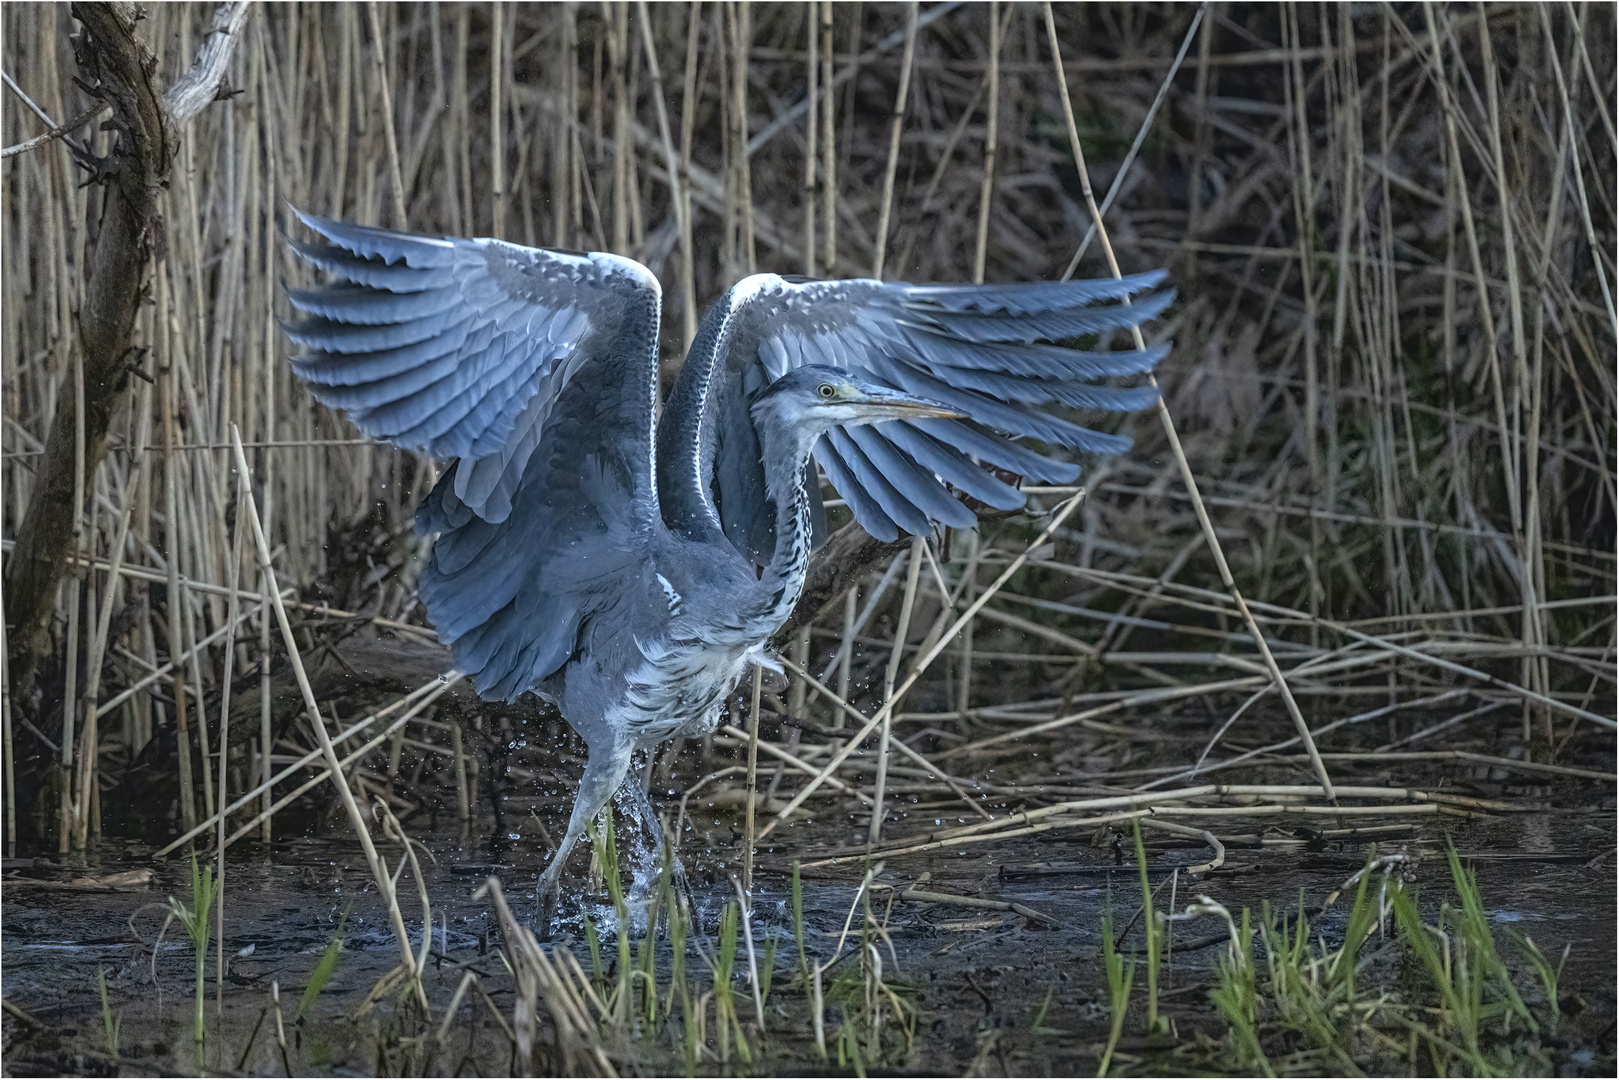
(1000, 354)
(538, 370)
(511, 597)
(462, 348)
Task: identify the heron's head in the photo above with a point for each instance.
(814, 398)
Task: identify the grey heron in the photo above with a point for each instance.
(629, 567)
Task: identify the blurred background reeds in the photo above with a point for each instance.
(1391, 227)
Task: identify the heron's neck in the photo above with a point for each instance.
(786, 451)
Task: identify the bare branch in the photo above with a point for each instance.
(55, 132)
(199, 86)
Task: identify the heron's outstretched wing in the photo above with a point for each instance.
(461, 348)
(998, 353)
(538, 370)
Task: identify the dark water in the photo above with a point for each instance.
(978, 978)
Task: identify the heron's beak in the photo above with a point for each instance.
(894, 405)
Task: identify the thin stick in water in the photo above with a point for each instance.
(5, 723)
(901, 632)
(749, 817)
(753, 963)
(224, 750)
(463, 809)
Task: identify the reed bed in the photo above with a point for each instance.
(1380, 503)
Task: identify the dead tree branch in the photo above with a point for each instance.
(120, 69)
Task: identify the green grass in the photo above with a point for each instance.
(1479, 1003)
(798, 923)
(1156, 1025)
(111, 1025)
(1548, 975)
(723, 968)
(1435, 996)
(1120, 976)
(1237, 999)
(878, 1026)
(696, 1024)
(1393, 983)
(324, 969)
(204, 889)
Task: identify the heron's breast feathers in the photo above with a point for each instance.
(680, 686)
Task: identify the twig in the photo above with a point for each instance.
(790, 116)
(224, 750)
(904, 747)
(784, 756)
(744, 902)
(98, 651)
(320, 777)
(1187, 830)
(918, 896)
(1141, 135)
(431, 690)
(55, 133)
(688, 306)
(199, 86)
(991, 137)
(443, 1033)
(749, 839)
(9, 737)
(890, 699)
(1042, 826)
(11, 84)
(812, 116)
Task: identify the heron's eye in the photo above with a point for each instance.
(827, 391)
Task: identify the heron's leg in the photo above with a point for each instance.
(644, 809)
(604, 772)
(678, 883)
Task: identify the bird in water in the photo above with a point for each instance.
(630, 566)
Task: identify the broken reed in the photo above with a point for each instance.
(1395, 332)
